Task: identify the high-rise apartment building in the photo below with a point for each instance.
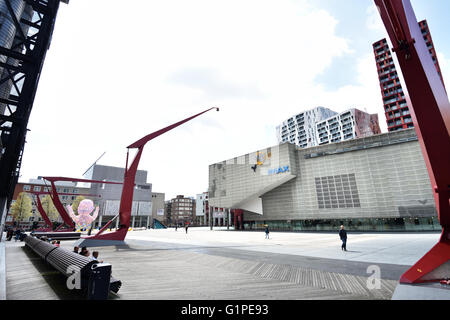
(429, 42)
(397, 113)
(350, 124)
(301, 128)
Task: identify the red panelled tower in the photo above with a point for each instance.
(397, 112)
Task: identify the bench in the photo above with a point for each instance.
(61, 259)
(58, 235)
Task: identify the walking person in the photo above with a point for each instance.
(267, 232)
(343, 236)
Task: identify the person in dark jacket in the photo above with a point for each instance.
(267, 232)
(84, 252)
(9, 234)
(17, 234)
(343, 236)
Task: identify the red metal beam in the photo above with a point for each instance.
(430, 111)
(43, 213)
(126, 199)
(54, 179)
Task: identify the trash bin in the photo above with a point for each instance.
(98, 286)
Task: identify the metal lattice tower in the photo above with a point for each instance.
(26, 28)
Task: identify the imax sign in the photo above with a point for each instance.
(278, 170)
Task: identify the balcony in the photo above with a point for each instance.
(395, 99)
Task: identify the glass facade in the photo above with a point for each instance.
(363, 225)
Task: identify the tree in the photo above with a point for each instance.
(49, 207)
(22, 209)
(76, 203)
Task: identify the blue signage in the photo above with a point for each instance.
(278, 170)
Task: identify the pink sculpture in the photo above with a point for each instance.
(84, 217)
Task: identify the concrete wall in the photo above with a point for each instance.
(158, 204)
(381, 176)
(391, 181)
(234, 182)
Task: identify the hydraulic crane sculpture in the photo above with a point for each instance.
(126, 200)
(430, 111)
(59, 206)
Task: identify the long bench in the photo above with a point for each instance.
(61, 259)
(58, 235)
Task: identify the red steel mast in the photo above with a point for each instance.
(430, 111)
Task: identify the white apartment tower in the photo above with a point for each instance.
(350, 124)
(301, 128)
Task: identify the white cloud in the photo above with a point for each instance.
(115, 73)
(373, 19)
(444, 64)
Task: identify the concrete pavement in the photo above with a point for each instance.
(219, 264)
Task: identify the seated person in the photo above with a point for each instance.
(95, 256)
(84, 252)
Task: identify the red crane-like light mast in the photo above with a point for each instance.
(126, 199)
(430, 111)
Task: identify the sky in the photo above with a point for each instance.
(116, 73)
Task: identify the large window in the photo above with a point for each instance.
(356, 224)
(337, 192)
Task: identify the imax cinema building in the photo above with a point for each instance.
(377, 183)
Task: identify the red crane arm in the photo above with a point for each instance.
(141, 142)
(126, 199)
(430, 111)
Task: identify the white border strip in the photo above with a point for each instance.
(2, 271)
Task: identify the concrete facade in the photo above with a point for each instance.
(372, 182)
(240, 182)
(158, 211)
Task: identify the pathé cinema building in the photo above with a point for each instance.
(377, 183)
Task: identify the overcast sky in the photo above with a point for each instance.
(117, 72)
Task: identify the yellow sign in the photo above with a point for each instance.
(261, 157)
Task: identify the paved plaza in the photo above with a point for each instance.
(225, 264)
